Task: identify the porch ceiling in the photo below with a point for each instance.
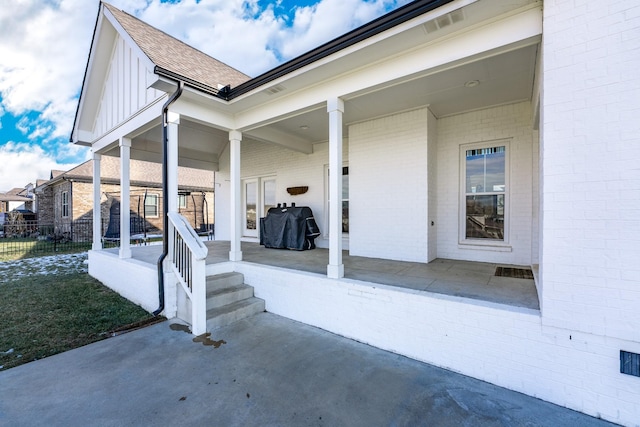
(503, 76)
(502, 79)
(200, 145)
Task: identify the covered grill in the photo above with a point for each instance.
(289, 228)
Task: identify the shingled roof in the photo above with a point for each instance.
(171, 54)
(141, 174)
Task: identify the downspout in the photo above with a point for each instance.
(71, 207)
(165, 190)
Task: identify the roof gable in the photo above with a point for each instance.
(175, 56)
(124, 61)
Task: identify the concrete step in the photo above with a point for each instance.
(220, 297)
(224, 280)
(225, 315)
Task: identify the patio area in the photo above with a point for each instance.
(474, 280)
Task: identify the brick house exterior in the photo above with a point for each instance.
(489, 132)
(65, 201)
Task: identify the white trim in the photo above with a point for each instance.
(157, 205)
(325, 233)
(247, 232)
(254, 235)
(64, 202)
(489, 244)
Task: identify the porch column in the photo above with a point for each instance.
(97, 213)
(235, 254)
(335, 108)
(125, 202)
(173, 120)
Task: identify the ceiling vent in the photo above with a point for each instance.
(444, 21)
(274, 89)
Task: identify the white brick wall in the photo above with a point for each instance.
(388, 187)
(591, 174)
(133, 279)
(393, 162)
(503, 345)
(512, 122)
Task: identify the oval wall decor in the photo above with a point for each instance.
(294, 191)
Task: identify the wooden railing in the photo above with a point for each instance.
(188, 255)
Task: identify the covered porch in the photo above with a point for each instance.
(474, 281)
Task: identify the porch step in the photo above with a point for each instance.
(224, 280)
(220, 297)
(229, 299)
(225, 315)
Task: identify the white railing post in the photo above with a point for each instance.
(199, 298)
(188, 262)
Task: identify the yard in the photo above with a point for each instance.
(50, 304)
(18, 248)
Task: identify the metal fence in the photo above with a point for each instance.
(23, 239)
(20, 238)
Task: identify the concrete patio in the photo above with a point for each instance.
(474, 280)
(262, 371)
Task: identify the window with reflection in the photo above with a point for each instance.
(485, 192)
(251, 198)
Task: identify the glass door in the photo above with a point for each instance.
(250, 203)
(268, 195)
(258, 196)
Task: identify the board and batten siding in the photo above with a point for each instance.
(125, 90)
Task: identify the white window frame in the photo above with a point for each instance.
(493, 244)
(262, 196)
(65, 204)
(246, 231)
(157, 204)
(182, 201)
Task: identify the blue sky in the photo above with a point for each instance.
(44, 46)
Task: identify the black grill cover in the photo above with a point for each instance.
(289, 228)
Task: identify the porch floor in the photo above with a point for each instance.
(474, 280)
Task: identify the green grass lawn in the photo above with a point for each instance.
(52, 306)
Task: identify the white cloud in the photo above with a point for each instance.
(44, 48)
(24, 163)
(44, 44)
(254, 40)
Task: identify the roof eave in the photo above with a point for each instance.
(377, 26)
(163, 72)
(84, 78)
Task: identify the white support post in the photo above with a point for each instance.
(97, 214)
(335, 108)
(235, 254)
(173, 120)
(125, 202)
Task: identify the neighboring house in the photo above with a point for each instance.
(17, 199)
(68, 197)
(488, 131)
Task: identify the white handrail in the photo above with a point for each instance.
(188, 255)
(189, 235)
